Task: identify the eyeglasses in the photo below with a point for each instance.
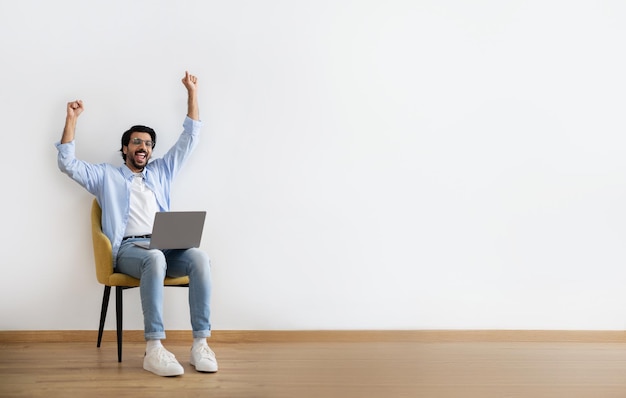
(138, 141)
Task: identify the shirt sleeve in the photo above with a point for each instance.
(176, 156)
(86, 174)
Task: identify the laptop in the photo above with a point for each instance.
(175, 230)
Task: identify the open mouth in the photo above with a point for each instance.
(140, 156)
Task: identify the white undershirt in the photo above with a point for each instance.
(143, 206)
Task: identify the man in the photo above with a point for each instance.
(129, 196)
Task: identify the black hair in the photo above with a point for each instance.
(136, 129)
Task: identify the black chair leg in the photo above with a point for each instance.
(103, 312)
(118, 312)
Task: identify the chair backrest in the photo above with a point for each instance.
(102, 250)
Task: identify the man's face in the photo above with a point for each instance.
(138, 151)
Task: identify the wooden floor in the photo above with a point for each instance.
(323, 369)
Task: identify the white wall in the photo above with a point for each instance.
(364, 164)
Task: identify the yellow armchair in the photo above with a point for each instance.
(106, 275)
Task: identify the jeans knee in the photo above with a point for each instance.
(199, 261)
(154, 263)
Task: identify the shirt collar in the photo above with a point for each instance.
(128, 173)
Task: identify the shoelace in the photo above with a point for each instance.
(165, 356)
(205, 352)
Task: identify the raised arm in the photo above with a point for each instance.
(74, 109)
(191, 83)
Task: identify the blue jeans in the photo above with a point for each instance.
(151, 267)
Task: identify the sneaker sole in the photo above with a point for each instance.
(163, 374)
(203, 370)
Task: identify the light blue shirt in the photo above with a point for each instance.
(111, 185)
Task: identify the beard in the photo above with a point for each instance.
(138, 164)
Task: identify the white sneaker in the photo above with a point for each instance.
(162, 362)
(203, 358)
